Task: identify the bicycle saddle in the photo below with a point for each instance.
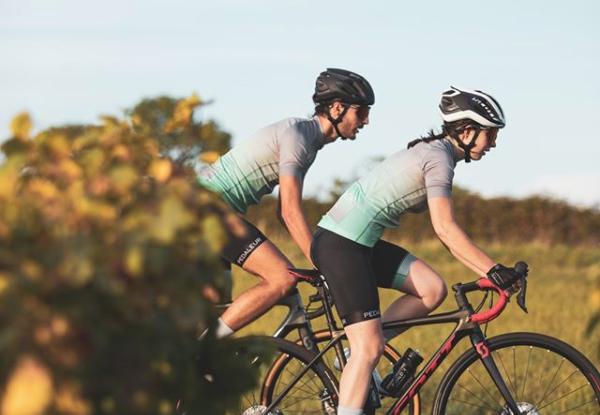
(312, 276)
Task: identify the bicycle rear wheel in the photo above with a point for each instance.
(543, 374)
(314, 392)
(385, 365)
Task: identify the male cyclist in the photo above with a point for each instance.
(280, 154)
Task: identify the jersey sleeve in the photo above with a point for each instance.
(438, 170)
(293, 154)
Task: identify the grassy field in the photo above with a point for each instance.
(559, 298)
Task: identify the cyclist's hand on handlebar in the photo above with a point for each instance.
(505, 278)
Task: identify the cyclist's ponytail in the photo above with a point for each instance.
(448, 129)
(431, 136)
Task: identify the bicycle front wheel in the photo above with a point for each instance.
(543, 374)
(311, 392)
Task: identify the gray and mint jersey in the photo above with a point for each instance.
(252, 169)
(400, 184)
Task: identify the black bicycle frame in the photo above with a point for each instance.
(464, 327)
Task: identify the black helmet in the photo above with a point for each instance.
(348, 87)
(465, 104)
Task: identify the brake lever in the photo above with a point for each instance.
(521, 297)
(522, 294)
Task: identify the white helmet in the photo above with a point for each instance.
(466, 104)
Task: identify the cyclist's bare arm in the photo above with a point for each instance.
(455, 239)
(291, 215)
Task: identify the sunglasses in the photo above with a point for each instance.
(492, 133)
(362, 111)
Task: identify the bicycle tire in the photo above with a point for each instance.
(544, 374)
(317, 389)
(386, 363)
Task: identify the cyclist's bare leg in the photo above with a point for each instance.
(425, 291)
(366, 343)
(269, 264)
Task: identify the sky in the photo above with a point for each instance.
(70, 61)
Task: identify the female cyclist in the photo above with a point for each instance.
(280, 153)
(348, 250)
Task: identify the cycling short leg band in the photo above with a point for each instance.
(402, 273)
(344, 410)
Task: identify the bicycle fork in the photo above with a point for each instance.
(483, 350)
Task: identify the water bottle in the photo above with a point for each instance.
(404, 370)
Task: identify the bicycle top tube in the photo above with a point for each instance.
(315, 278)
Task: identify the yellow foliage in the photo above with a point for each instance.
(31, 269)
(60, 326)
(8, 179)
(141, 399)
(173, 216)
(58, 146)
(214, 234)
(134, 261)
(164, 368)
(77, 269)
(165, 408)
(161, 170)
(209, 157)
(108, 405)
(92, 160)
(121, 153)
(183, 113)
(21, 126)
(4, 281)
(595, 299)
(68, 401)
(122, 178)
(79, 207)
(43, 189)
(29, 389)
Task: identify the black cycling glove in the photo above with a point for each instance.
(503, 277)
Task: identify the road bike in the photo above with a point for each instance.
(514, 373)
(276, 374)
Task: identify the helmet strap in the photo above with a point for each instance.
(338, 120)
(466, 147)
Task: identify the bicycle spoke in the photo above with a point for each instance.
(484, 388)
(562, 397)
(302, 383)
(506, 372)
(550, 384)
(515, 372)
(579, 406)
(476, 397)
(559, 385)
(487, 409)
(527, 370)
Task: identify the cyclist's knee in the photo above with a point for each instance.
(283, 285)
(368, 351)
(436, 295)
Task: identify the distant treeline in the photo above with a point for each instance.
(499, 219)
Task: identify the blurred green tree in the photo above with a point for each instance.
(106, 250)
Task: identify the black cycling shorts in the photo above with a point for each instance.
(239, 247)
(354, 271)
